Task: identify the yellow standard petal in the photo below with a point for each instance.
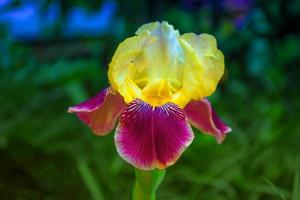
(125, 64)
(211, 60)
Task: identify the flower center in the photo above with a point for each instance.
(157, 92)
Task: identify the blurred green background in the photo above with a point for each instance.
(56, 53)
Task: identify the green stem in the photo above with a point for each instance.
(146, 184)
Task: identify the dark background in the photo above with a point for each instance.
(56, 53)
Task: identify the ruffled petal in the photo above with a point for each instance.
(152, 137)
(211, 61)
(126, 66)
(100, 112)
(191, 76)
(163, 57)
(201, 115)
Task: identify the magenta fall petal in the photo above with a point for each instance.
(101, 111)
(152, 137)
(202, 116)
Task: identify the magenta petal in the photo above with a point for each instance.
(152, 137)
(202, 116)
(101, 111)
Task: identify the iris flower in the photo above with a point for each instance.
(159, 84)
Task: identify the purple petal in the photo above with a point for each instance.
(202, 116)
(152, 137)
(100, 112)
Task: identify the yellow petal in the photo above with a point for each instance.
(192, 73)
(211, 60)
(129, 90)
(162, 57)
(125, 65)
